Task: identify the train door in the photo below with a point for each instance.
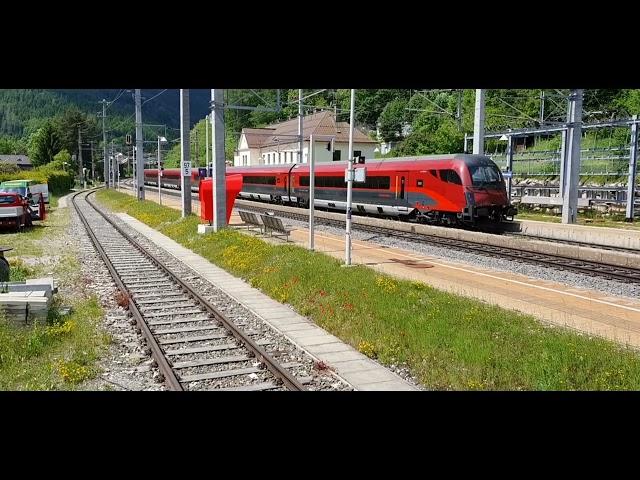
(401, 187)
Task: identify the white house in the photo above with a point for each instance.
(278, 143)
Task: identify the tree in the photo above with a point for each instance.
(44, 145)
(392, 120)
(61, 160)
(12, 146)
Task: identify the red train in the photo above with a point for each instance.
(449, 189)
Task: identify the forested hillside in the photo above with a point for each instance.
(44, 122)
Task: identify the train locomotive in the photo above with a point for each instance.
(458, 189)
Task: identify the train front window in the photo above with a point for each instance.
(483, 175)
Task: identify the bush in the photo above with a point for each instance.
(59, 181)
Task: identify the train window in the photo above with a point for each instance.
(485, 174)
(382, 183)
(419, 183)
(434, 173)
(402, 188)
(324, 182)
(450, 176)
(259, 180)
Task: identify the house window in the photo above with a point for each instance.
(357, 153)
(336, 155)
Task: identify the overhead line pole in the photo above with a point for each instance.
(139, 145)
(347, 247)
(478, 123)
(185, 151)
(104, 144)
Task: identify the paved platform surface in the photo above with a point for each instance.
(357, 369)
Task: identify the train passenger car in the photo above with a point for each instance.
(447, 189)
(170, 178)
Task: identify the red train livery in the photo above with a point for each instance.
(449, 189)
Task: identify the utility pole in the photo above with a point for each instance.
(509, 166)
(347, 247)
(93, 164)
(104, 144)
(185, 150)
(633, 170)
(459, 110)
(300, 136)
(572, 152)
(139, 146)
(219, 167)
(112, 172)
(197, 159)
(80, 168)
(312, 188)
(159, 174)
(478, 124)
(206, 137)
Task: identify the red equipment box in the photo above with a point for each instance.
(234, 185)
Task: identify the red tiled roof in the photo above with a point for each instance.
(322, 123)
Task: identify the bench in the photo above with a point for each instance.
(274, 224)
(250, 220)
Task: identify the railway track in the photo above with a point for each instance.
(603, 270)
(190, 340)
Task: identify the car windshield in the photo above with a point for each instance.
(482, 175)
(19, 190)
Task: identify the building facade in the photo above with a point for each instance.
(21, 161)
(278, 143)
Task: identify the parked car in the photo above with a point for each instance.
(14, 210)
(37, 193)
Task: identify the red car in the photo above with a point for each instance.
(14, 210)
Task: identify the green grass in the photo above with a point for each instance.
(56, 356)
(62, 353)
(29, 241)
(449, 342)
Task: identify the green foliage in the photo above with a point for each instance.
(44, 145)
(12, 146)
(432, 138)
(62, 157)
(59, 181)
(392, 120)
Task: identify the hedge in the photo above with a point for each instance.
(59, 181)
